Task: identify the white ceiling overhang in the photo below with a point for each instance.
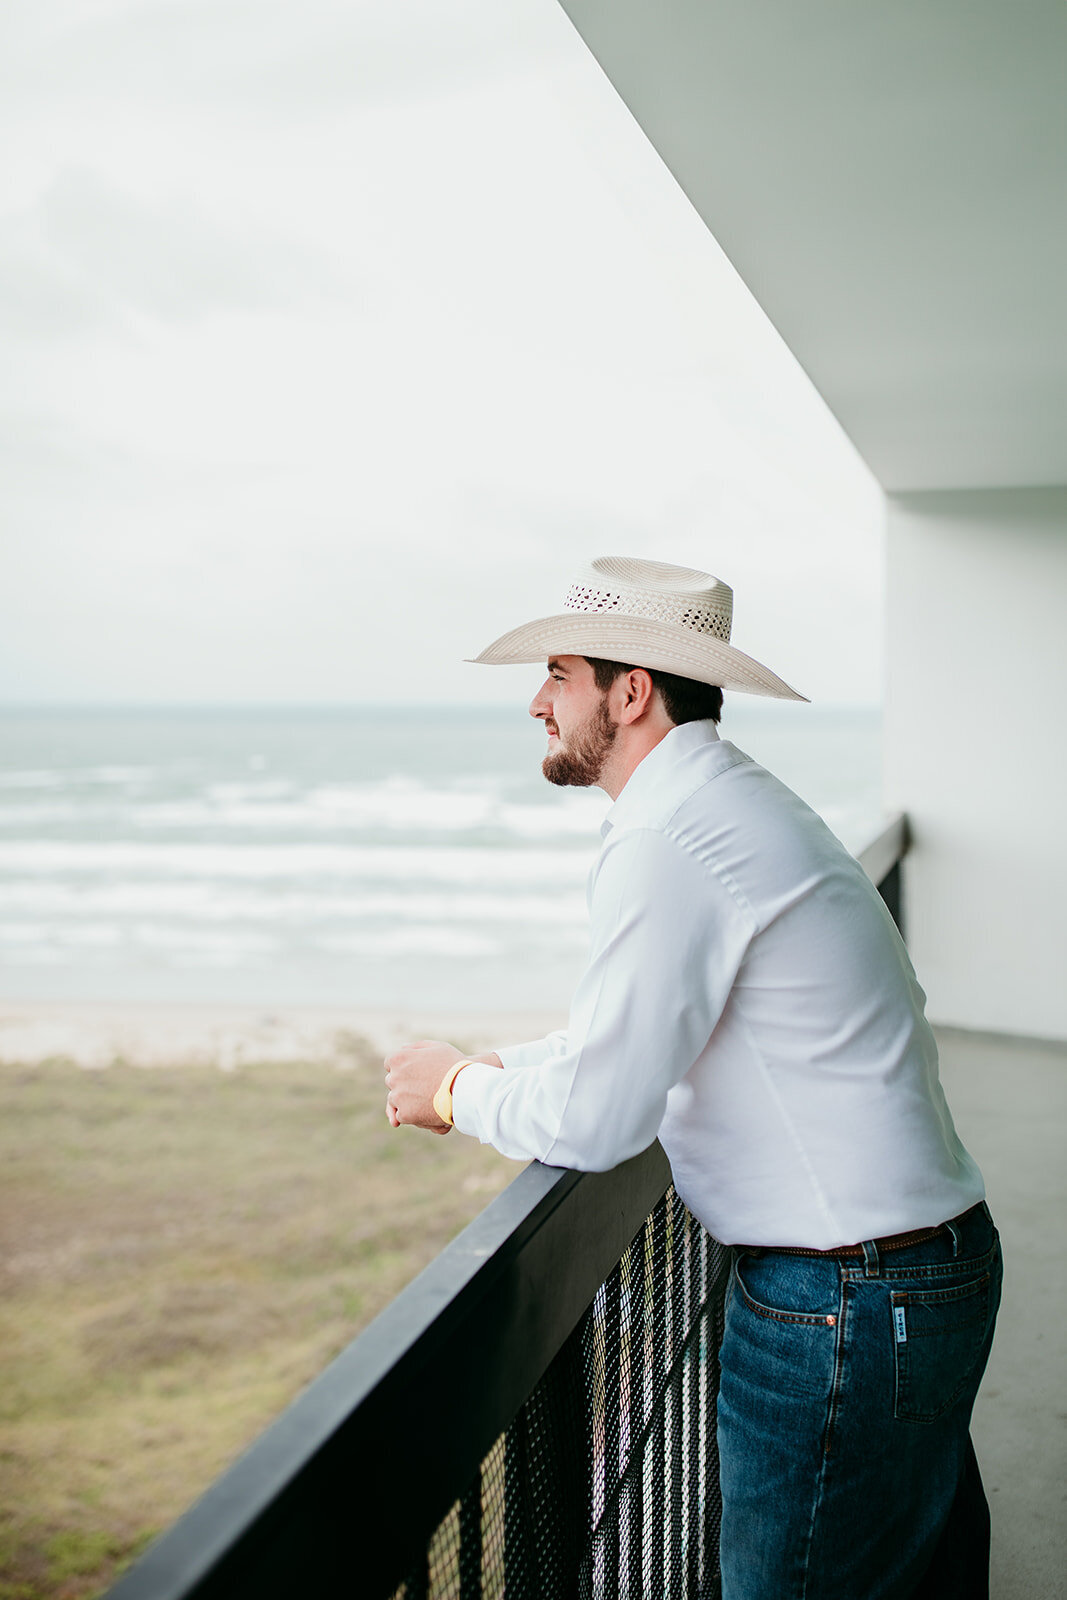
(889, 181)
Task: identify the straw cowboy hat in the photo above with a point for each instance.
(647, 614)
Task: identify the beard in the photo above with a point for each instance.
(579, 762)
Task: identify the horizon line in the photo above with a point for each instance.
(36, 707)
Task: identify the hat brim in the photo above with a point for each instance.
(641, 641)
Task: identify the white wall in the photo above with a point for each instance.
(976, 731)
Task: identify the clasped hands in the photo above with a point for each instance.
(413, 1075)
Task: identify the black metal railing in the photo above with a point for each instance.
(463, 1440)
(534, 1416)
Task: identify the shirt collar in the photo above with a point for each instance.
(650, 773)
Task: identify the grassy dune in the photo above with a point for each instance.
(181, 1251)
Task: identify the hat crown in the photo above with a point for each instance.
(628, 587)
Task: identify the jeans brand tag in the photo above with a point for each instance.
(901, 1325)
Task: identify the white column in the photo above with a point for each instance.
(975, 734)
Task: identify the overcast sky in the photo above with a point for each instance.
(336, 335)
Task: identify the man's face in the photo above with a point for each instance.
(576, 717)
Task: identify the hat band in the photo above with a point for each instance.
(658, 607)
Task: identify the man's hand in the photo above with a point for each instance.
(414, 1074)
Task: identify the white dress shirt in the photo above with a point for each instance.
(749, 1000)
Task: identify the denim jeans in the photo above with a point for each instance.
(844, 1405)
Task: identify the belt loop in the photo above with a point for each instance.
(872, 1266)
(956, 1239)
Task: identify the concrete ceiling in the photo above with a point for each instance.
(890, 180)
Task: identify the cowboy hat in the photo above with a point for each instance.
(647, 614)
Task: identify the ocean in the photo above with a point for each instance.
(378, 857)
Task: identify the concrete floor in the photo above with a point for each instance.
(1009, 1101)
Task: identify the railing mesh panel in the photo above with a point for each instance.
(606, 1485)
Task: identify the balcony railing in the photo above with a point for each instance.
(534, 1416)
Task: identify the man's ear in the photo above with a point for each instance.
(637, 694)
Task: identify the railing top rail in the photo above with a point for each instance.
(418, 1398)
(880, 855)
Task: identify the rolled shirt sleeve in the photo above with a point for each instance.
(668, 938)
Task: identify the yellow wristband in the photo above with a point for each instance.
(442, 1100)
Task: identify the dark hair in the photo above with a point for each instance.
(684, 699)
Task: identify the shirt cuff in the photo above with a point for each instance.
(472, 1095)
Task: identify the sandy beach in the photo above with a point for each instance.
(101, 1035)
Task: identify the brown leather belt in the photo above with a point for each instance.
(895, 1241)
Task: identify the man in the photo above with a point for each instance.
(749, 1001)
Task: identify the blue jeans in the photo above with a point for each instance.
(845, 1400)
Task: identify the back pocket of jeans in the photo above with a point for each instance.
(939, 1338)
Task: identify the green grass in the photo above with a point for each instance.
(181, 1251)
